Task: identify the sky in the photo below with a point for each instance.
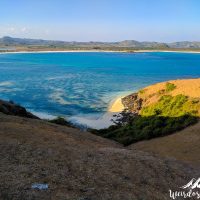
(101, 20)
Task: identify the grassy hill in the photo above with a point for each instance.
(157, 110)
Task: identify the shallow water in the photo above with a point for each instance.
(77, 85)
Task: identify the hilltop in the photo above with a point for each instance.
(186, 87)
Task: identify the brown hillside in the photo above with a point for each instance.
(80, 166)
(183, 145)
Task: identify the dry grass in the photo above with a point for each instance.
(187, 87)
(183, 145)
(78, 165)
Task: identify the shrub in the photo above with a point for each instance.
(170, 87)
(167, 115)
(61, 121)
(142, 91)
(171, 106)
(144, 128)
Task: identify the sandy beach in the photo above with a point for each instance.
(65, 51)
(101, 51)
(116, 106)
(100, 122)
(165, 51)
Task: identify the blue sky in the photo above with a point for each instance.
(101, 20)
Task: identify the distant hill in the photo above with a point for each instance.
(9, 41)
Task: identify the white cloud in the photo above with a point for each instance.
(24, 29)
(11, 29)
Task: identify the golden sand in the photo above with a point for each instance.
(117, 106)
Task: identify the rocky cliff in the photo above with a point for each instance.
(10, 108)
(132, 103)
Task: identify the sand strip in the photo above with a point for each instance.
(100, 51)
(116, 106)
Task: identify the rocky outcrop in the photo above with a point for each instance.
(132, 102)
(10, 108)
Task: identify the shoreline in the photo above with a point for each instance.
(116, 105)
(90, 121)
(65, 51)
(101, 51)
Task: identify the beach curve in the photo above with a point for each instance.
(117, 105)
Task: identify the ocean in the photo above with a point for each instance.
(81, 85)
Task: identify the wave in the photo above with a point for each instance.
(43, 115)
(93, 121)
(58, 97)
(6, 83)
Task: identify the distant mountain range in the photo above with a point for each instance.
(9, 41)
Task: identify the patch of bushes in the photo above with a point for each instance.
(144, 128)
(168, 115)
(170, 87)
(161, 92)
(172, 106)
(61, 121)
(142, 91)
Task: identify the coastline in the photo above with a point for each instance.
(65, 51)
(100, 122)
(102, 51)
(116, 105)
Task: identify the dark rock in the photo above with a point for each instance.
(132, 102)
(10, 108)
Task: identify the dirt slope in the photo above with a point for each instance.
(183, 145)
(80, 166)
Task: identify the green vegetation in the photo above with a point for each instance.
(170, 87)
(144, 128)
(170, 106)
(61, 121)
(142, 91)
(169, 114)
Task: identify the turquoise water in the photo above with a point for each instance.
(79, 84)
